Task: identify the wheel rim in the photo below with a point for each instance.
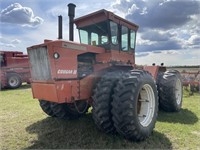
(146, 105)
(178, 92)
(13, 81)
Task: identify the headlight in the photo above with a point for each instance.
(56, 55)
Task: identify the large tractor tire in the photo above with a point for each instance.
(46, 107)
(135, 105)
(170, 91)
(102, 99)
(14, 80)
(70, 111)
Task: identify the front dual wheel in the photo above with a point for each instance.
(64, 111)
(132, 108)
(135, 105)
(146, 105)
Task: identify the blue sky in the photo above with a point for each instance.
(169, 29)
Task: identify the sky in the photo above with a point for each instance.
(169, 30)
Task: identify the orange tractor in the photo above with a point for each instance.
(100, 71)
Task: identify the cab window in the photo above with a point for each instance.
(96, 34)
(94, 39)
(133, 38)
(84, 36)
(124, 38)
(114, 32)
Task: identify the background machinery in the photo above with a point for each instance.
(14, 69)
(191, 79)
(69, 77)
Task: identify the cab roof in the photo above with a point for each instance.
(100, 16)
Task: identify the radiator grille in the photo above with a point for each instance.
(39, 63)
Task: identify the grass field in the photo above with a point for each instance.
(23, 125)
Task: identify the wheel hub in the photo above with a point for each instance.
(13, 81)
(146, 105)
(178, 91)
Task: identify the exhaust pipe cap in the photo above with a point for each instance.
(71, 10)
(71, 14)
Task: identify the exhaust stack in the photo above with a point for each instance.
(71, 14)
(60, 30)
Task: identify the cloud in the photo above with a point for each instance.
(157, 46)
(5, 42)
(156, 52)
(141, 54)
(16, 14)
(195, 23)
(164, 24)
(15, 41)
(155, 41)
(164, 52)
(154, 35)
(163, 15)
(6, 45)
(171, 57)
(194, 40)
(171, 52)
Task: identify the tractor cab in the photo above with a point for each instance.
(104, 29)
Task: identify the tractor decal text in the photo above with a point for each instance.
(60, 71)
(73, 46)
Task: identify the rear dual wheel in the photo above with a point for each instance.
(170, 91)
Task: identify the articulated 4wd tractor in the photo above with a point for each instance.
(100, 71)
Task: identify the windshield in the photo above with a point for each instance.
(109, 35)
(96, 34)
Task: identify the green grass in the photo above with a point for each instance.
(23, 125)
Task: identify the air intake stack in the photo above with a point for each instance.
(71, 14)
(60, 27)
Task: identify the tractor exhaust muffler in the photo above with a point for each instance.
(71, 14)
